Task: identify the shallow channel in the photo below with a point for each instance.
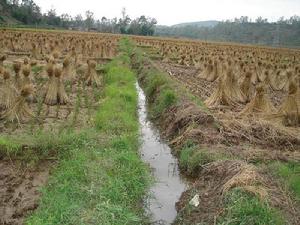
(168, 185)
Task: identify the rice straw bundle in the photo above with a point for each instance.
(68, 73)
(278, 80)
(208, 68)
(231, 84)
(1, 70)
(219, 97)
(261, 103)
(74, 55)
(165, 56)
(290, 108)
(62, 97)
(19, 111)
(18, 82)
(213, 75)
(55, 55)
(247, 87)
(226, 93)
(7, 91)
(2, 59)
(290, 78)
(260, 72)
(26, 73)
(34, 51)
(91, 76)
(182, 60)
(51, 92)
(26, 61)
(55, 93)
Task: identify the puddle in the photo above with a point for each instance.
(168, 186)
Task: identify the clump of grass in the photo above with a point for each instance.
(8, 146)
(243, 208)
(37, 69)
(192, 159)
(166, 98)
(290, 175)
(154, 81)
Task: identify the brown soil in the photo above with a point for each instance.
(20, 190)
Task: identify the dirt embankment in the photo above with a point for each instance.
(187, 122)
(20, 190)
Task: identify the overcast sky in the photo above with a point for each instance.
(169, 12)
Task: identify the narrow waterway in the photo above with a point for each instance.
(168, 186)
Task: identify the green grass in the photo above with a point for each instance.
(102, 180)
(289, 174)
(158, 91)
(40, 145)
(192, 158)
(8, 146)
(36, 69)
(243, 208)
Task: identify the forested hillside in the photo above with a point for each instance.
(28, 13)
(285, 32)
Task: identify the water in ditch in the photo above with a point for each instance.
(168, 185)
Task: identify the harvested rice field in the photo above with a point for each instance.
(111, 129)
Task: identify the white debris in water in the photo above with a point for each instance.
(195, 200)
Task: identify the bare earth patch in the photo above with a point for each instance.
(20, 190)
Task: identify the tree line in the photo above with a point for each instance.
(29, 13)
(284, 32)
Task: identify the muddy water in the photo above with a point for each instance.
(168, 186)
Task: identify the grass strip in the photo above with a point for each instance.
(103, 179)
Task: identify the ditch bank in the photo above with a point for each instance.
(227, 186)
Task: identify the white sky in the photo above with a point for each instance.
(169, 12)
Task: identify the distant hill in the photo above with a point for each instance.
(6, 15)
(208, 23)
(284, 33)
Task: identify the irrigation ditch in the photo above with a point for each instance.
(225, 187)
